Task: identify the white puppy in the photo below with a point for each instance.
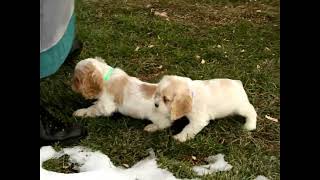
(116, 91)
(202, 101)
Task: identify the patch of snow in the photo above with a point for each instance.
(261, 178)
(216, 164)
(98, 166)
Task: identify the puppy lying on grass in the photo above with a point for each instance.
(202, 101)
(116, 91)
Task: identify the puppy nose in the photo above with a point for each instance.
(156, 105)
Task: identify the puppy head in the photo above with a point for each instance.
(173, 97)
(87, 80)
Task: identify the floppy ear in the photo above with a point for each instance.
(76, 81)
(181, 105)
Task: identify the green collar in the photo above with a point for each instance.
(108, 74)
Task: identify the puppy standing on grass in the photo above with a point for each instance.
(116, 91)
(202, 101)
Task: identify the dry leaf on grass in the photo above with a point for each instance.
(203, 61)
(267, 49)
(161, 14)
(258, 67)
(137, 48)
(271, 118)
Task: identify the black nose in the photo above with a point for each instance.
(156, 105)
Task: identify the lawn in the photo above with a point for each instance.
(201, 39)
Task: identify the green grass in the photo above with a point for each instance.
(249, 42)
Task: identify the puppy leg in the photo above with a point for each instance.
(151, 128)
(193, 128)
(251, 117)
(158, 125)
(100, 108)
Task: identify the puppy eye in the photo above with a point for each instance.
(165, 99)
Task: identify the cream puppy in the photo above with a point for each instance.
(116, 91)
(201, 101)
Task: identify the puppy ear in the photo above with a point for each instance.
(76, 81)
(181, 105)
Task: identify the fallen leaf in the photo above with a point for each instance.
(126, 165)
(258, 11)
(219, 46)
(148, 6)
(150, 46)
(242, 50)
(99, 15)
(258, 67)
(193, 157)
(160, 67)
(198, 57)
(162, 14)
(137, 48)
(271, 118)
(203, 61)
(267, 49)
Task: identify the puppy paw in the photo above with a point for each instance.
(180, 137)
(249, 126)
(151, 128)
(79, 112)
(83, 113)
